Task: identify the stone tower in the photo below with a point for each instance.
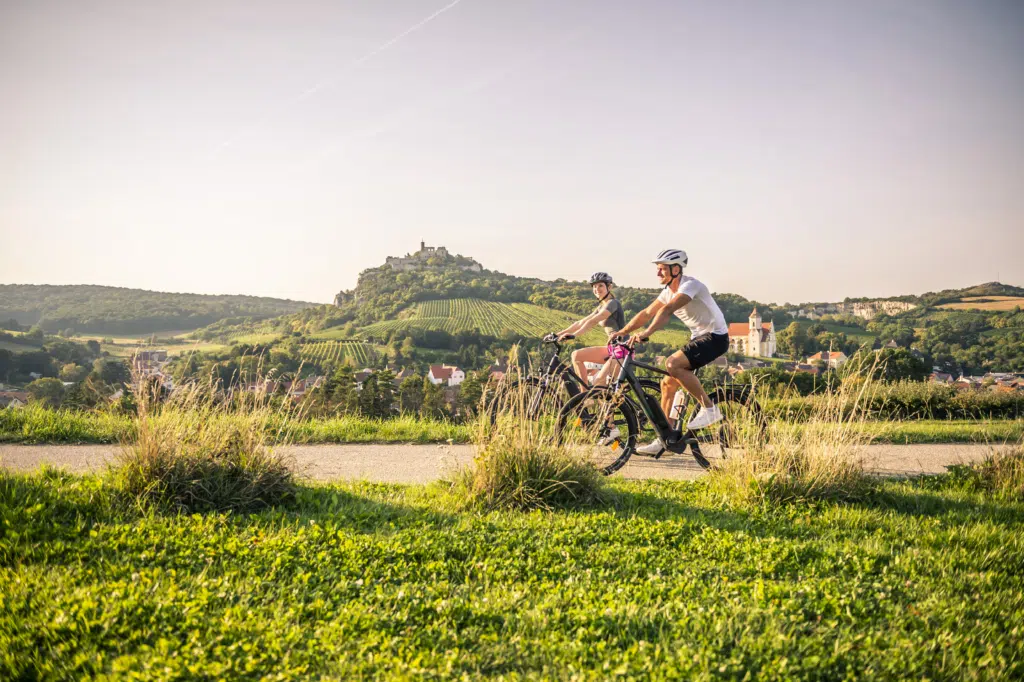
(754, 334)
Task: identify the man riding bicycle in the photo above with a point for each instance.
(690, 301)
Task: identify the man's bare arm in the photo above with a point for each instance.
(665, 314)
(641, 318)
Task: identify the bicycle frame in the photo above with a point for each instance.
(651, 407)
(556, 368)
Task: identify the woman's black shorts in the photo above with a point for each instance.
(703, 349)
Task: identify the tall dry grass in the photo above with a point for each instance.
(520, 463)
(823, 459)
(201, 449)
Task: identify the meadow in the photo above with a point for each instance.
(201, 554)
(40, 426)
(920, 579)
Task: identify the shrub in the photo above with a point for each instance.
(196, 453)
(906, 400)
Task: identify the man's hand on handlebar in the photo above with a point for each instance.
(637, 339)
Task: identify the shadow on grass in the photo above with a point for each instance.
(49, 516)
(940, 496)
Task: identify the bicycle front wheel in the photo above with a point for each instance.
(601, 426)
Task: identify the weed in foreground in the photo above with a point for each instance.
(822, 460)
(1000, 474)
(520, 462)
(200, 451)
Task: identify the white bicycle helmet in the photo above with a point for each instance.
(672, 257)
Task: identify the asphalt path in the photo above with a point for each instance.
(396, 463)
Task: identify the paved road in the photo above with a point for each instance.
(424, 463)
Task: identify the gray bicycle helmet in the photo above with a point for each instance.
(600, 277)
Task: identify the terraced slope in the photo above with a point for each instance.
(362, 354)
(485, 317)
(496, 319)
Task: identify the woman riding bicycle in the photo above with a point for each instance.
(610, 316)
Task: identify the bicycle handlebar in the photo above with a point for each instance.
(623, 341)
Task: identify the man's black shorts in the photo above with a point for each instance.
(703, 349)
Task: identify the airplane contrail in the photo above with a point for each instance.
(328, 81)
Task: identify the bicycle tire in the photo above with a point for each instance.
(577, 404)
(495, 403)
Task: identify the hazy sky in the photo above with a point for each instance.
(798, 151)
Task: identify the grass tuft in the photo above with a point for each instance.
(821, 460)
(1000, 474)
(520, 464)
(197, 452)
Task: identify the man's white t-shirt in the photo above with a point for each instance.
(702, 315)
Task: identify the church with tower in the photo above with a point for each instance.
(754, 338)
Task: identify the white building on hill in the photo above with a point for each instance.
(447, 375)
(754, 339)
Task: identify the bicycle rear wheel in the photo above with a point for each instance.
(601, 426)
(526, 398)
(743, 425)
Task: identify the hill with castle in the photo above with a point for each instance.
(447, 302)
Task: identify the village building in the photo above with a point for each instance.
(447, 375)
(13, 398)
(832, 359)
(754, 338)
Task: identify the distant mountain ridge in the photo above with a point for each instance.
(117, 310)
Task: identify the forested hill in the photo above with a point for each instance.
(382, 293)
(116, 310)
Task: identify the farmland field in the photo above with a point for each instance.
(986, 303)
(855, 333)
(496, 319)
(362, 354)
(485, 317)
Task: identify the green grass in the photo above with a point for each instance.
(921, 580)
(856, 333)
(34, 425)
(38, 425)
(936, 431)
(18, 347)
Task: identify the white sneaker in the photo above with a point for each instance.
(652, 449)
(612, 436)
(705, 418)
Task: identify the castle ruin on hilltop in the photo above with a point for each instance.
(429, 257)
